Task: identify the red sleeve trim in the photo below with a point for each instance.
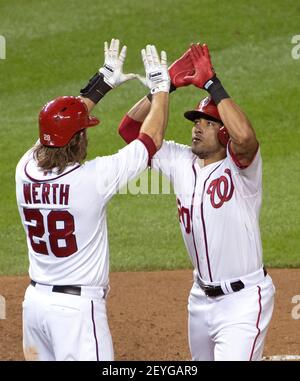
(235, 159)
(148, 143)
(129, 129)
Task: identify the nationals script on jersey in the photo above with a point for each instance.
(218, 208)
(64, 215)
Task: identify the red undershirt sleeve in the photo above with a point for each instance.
(129, 129)
(148, 143)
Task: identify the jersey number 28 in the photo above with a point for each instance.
(60, 228)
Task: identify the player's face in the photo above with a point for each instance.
(205, 142)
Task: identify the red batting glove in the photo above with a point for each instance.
(202, 65)
(181, 68)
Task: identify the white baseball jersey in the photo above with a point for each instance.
(64, 215)
(218, 207)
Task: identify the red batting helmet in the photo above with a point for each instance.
(207, 109)
(61, 118)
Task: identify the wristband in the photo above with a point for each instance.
(172, 88)
(216, 90)
(96, 88)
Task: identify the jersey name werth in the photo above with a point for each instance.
(44, 193)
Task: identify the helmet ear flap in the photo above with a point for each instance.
(223, 136)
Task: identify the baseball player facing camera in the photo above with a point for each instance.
(218, 185)
(62, 204)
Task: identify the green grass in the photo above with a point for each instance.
(54, 47)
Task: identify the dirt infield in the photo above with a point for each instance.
(148, 315)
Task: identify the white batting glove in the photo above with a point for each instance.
(112, 69)
(157, 75)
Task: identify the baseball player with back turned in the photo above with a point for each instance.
(62, 204)
(218, 185)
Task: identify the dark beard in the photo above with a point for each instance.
(199, 153)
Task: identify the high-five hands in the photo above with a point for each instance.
(112, 69)
(193, 67)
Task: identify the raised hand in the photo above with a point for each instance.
(181, 68)
(157, 76)
(112, 69)
(202, 65)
